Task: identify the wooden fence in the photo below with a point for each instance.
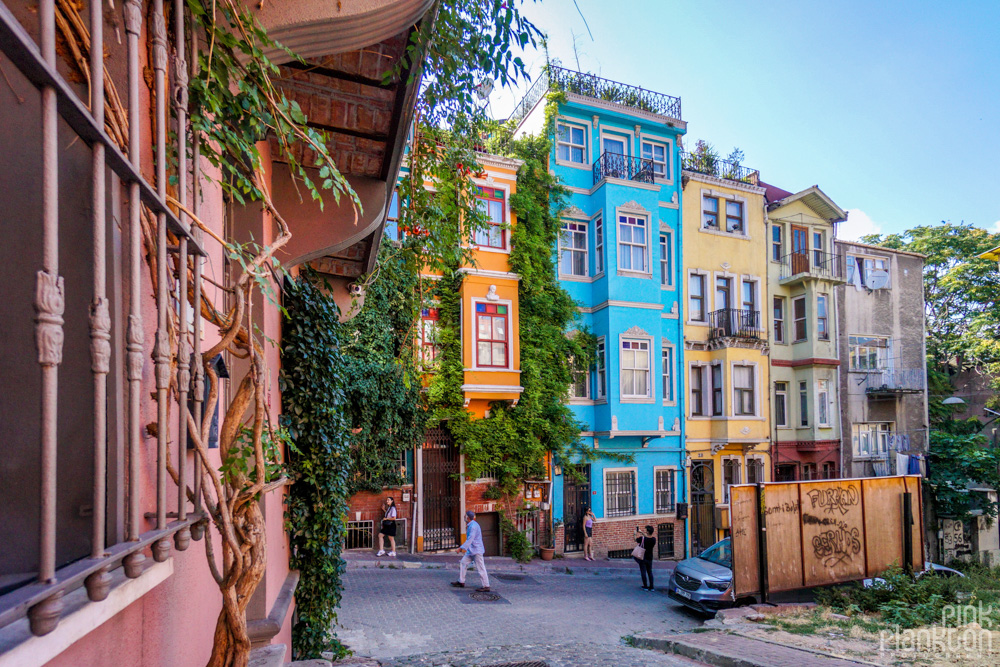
(823, 532)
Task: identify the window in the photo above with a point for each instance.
(657, 152)
(808, 471)
(599, 245)
(803, 404)
(668, 373)
(619, 497)
(822, 321)
(785, 473)
(573, 249)
(755, 470)
(723, 293)
(823, 402)
(781, 404)
(709, 212)
(872, 439)
(429, 348)
(859, 271)
(730, 475)
(406, 465)
(615, 144)
(696, 298)
(491, 335)
(869, 353)
(818, 245)
(799, 313)
(777, 244)
(635, 368)
(571, 143)
(829, 470)
(663, 485)
(666, 260)
(632, 243)
(779, 319)
(744, 402)
(750, 297)
(734, 217)
(580, 387)
(718, 409)
(491, 202)
(697, 392)
(392, 217)
(601, 370)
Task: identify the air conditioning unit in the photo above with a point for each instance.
(878, 279)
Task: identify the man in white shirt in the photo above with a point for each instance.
(472, 550)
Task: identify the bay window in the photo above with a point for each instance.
(635, 368)
(571, 143)
(573, 249)
(744, 395)
(632, 243)
(491, 202)
(491, 335)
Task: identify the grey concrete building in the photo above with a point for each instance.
(881, 344)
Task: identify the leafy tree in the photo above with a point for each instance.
(958, 461)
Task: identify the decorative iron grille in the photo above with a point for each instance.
(625, 167)
(734, 323)
(713, 166)
(620, 494)
(665, 540)
(360, 535)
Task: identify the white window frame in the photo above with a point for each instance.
(697, 367)
(617, 135)
(784, 395)
(601, 369)
(783, 321)
(636, 398)
(508, 231)
(510, 341)
(721, 390)
(853, 356)
(667, 258)
(598, 222)
(875, 434)
(803, 415)
(706, 305)
(825, 296)
(742, 217)
(574, 374)
(754, 389)
(646, 271)
(718, 211)
(740, 476)
(668, 153)
(823, 403)
(572, 249)
(668, 379)
(746, 467)
(723, 198)
(635, 490)
(673, 495)
(867, 264)
(780, 243)
(580, 125)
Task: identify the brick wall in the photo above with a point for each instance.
(617, 534)
(368, 507)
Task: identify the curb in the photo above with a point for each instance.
(722, 658)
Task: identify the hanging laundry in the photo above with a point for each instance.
(902, 464)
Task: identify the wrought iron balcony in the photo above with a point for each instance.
(892, 383)
(712, 166)
(625, 167)
(804, 264)
(589, 85)
(734, 323)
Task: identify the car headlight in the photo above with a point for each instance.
(718, 585)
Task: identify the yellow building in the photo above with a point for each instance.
(725, 341)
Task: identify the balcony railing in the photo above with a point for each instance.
(813, 263)
(625, 167)
(896, 382)
(712, 166)
(589, 85)
(734, 323)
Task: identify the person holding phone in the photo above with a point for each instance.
(387, 527)
(643, 555)
(588, 534)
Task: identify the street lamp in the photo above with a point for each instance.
(953, 400)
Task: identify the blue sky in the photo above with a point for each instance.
(892, 108)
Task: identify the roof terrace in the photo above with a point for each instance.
(553, 77)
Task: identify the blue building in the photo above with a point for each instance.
(617, 149)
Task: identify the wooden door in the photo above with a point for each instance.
(800, 250)
(490, 523)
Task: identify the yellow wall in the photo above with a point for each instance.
(741, 257)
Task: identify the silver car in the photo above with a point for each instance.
(705, 583)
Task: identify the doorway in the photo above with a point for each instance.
(490, 523)
(800, 250)
(576, 497)
(441, 491)
(702, 506)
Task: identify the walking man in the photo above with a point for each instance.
(472, 550)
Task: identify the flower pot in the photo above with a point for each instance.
(547, 552)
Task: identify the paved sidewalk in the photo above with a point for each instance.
(550, 655)
(723, 649)
(357, 559)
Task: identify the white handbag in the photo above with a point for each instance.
(639, 552)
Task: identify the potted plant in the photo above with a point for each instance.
(549, 552)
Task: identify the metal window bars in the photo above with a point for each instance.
(42, 600)
(620, 494)
(625, 167)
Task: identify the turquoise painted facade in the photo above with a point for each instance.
(620, 259)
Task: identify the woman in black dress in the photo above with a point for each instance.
(646, 542)
(387, 527)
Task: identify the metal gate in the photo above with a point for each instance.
(702, 506)
(576, 496)
(441, 502)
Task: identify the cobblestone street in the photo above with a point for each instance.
(413, 617)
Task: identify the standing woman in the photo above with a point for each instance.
(643, 555)
(388, 527)
(588, 534)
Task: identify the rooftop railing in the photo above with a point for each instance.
(553, 77)
(625, 167)
(712, 166)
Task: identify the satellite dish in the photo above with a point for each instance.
(878, 279)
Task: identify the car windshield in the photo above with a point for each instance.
(720, 553)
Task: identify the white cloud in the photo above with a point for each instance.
(994, 228)
(857, 225)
